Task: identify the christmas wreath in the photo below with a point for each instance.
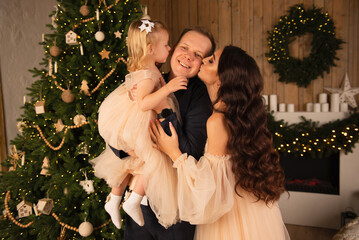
(324, 45)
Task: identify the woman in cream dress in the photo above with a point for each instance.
(231, 193)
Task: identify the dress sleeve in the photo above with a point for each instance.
(205, 188)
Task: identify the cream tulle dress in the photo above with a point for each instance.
(124, 126)
(206, 197)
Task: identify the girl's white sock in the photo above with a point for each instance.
(132, 207)
(113, 208)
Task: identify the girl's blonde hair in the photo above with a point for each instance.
(137, 42)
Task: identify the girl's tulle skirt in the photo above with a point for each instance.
(120, 116)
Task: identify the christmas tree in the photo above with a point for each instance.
(50, 191)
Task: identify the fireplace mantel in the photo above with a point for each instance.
(317, 209)
(321, 117)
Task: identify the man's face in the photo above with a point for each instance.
(187, 57)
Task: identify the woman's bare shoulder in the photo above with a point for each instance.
(217, 133)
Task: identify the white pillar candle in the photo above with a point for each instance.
(309, 107)
(97, 15)
(334, 102)
(281, 107)
(325, 107)
(42, 37)
(81, 49)
(290, 107)
(273, 102)
(55, 67)
(24, 99)
(323, 98)
(265, 100)
(23, 160)
(316, 107)
(344, 107)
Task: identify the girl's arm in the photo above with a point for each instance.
(149, 99)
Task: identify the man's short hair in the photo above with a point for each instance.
(205, 32)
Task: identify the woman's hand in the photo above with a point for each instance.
(163, 142)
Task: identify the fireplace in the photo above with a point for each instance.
(311, 174)
(318, 209)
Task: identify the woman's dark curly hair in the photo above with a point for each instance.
(255, 163)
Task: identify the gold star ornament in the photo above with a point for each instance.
(118, 34)
(105, 54)
(59, 125)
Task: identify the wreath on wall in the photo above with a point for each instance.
(324, 45)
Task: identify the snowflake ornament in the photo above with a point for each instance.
(87, 184)
(146, 25)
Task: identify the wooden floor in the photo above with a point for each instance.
(310, 233)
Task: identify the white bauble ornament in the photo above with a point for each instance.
(99, 36)
(79, 119)
(85, 229)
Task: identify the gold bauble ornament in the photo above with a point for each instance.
(67, 96)
(84, 10)
(55, 51)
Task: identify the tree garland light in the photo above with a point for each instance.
(308, 137)
(324, 45)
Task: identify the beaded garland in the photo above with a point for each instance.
(100, 83)
(324, 45)
(8, 213)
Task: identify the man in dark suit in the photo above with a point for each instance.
(193, 45)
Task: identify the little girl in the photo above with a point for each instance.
(123, 123)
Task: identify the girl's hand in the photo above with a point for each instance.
(163, 142)
(177, 83)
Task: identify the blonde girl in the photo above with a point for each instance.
(123, 123)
